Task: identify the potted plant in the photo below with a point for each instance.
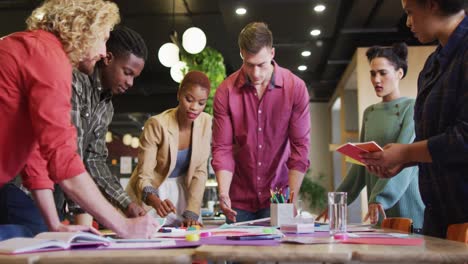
(313, 193)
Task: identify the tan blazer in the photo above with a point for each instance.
(157, 157)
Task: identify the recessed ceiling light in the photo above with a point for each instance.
(302, 68)
(306, 53)
(241, 11)
(315, 32)
(319, 8)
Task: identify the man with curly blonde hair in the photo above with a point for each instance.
(35, 80)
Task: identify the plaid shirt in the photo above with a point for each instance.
(441, 117)
(92, 112)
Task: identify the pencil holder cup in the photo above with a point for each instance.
(281, 213)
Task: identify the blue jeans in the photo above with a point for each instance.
(243, 215)
(19, 209)
(11, 231)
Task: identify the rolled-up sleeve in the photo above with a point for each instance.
(299, 130)
(222, 132)
(35, 175)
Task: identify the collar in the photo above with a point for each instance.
(96, 83)
(445, 53)
(276, 80)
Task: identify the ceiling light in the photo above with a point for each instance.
(315, 32)
(178, 71)
(319, 8)
(241, 11)
(194, 40)
(168, 54)
(319, 43)
(306, 53)
(302, 68)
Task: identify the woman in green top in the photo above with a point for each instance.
(386, 122)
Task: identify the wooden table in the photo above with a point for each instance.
(183, 255)
(434, 250)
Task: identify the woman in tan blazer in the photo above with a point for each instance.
(173, 156)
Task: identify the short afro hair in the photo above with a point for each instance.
(195, 78)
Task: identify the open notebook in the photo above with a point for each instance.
(52, 241)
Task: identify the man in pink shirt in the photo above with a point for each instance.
(261, 129)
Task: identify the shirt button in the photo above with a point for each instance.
(258, 178)
(259, 164)
(259, 193)
(259, 111)
(259, 146)
(260, 129)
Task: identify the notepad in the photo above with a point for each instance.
(353, 150)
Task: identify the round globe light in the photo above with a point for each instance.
(168, 54)
(135, 142)
(194, 40)
(108, 137)
(127, 139)
(178, 71)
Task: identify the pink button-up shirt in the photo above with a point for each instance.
(260, 140)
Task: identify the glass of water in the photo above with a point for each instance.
(337, 212)
(299, 206)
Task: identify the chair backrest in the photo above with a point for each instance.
(458, 232)
(398, 223)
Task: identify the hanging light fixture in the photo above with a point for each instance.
(135, 142)
(168, 54)
(194, 40)
(178, 71)
(108, 137)
(127, 139)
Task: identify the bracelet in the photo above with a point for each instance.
(149, 190)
